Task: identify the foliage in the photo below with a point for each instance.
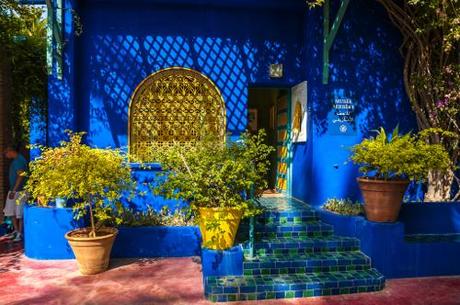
(344, 207)
(150, 217)
(431, 48)
(23, 41)
(399, 156)
(214, 174)
(94, 178)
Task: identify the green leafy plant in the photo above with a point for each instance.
(215, 174)
(93, 178)
(23, 57)
(398, 156)
(344, 207)
(150, 217)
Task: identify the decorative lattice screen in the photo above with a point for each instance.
(173, 105)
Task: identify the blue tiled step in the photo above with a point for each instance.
(307, 263)
(294, 246)
(291, 216)
(312, 228)
(235, 288)
(433, 238)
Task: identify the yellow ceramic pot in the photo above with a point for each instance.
(218, 227)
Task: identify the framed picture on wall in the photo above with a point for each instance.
(252, 119)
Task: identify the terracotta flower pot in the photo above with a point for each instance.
(92, 253)
(382, 198)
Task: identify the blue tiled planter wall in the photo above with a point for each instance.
(157, 242)
(44, 230)
(391, 253)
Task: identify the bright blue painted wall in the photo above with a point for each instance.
(233, 42)
(366, 66)
(122, 44)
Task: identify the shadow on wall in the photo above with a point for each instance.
(366, 67)
(124, 44)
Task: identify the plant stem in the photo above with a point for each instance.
(91, 216)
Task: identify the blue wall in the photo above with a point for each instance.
(366, 66)
(233, 42)
(122, 44)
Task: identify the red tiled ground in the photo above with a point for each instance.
(173, 282)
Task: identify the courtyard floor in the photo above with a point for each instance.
(174, 281)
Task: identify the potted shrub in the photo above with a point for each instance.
(389, 163)
(219, 181)
(94, 180)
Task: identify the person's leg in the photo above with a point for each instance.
(20, 225)
(15, 224)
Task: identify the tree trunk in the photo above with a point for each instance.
(439, 186)
(5, 96)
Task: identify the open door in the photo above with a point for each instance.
(282, 144)
(291, 118)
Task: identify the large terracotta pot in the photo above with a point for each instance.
(382, 198)
(218, 227)
(92, 253)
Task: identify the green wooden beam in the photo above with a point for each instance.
(329, 34)
(59, 38)
(49, 37)
(54, 36)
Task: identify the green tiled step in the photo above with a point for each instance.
(235, 288)
(294, 246)
(307, 263)
(296, 217)
(312, 228)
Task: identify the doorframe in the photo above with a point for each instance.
(288, 88)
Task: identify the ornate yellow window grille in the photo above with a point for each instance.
(173, 105)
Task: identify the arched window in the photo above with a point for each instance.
(173, 105)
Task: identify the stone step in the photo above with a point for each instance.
(308, 229)
(236, 288)
(306, 263)
(294, 246)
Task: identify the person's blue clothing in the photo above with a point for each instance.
(18, 164)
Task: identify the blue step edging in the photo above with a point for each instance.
(391, 254)
(222, 262)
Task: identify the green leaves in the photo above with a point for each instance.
(89, 176)
(213, 174)
(402, 156)
(344, 207)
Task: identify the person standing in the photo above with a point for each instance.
(16, 195)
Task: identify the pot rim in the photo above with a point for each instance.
(218, 208)
(381, 181)
(112, 233)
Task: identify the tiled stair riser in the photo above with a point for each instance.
(296, 255)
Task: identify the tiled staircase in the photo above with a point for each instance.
(296, 255)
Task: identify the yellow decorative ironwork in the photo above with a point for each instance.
(173, 106)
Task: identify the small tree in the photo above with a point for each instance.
(94, 179)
